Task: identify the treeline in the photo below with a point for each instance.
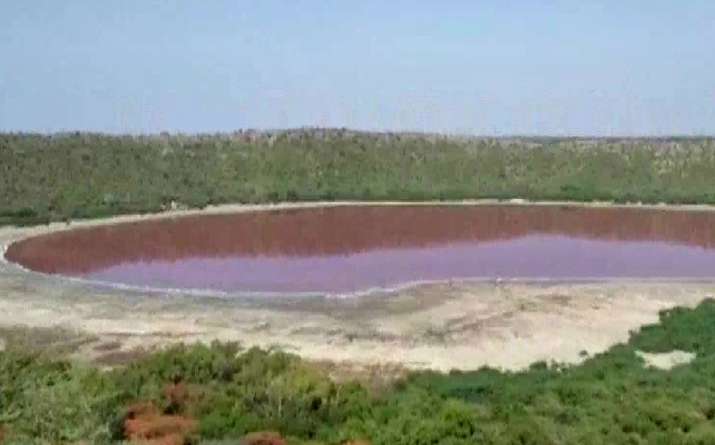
(216, 395)
(82, 175)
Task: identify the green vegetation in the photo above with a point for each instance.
(78, 175)
(612, 398)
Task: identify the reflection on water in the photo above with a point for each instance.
(345, 249)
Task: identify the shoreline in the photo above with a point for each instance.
(240, 208)
(460, 324)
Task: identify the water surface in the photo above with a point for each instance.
(355, 248)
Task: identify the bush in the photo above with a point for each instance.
(90, 175)
(609, 399)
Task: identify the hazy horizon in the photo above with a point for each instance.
(486, 68)
(407, 132)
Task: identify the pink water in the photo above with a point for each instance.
(351, 249)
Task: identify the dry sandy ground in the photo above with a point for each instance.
(458, 325)
(666, 360)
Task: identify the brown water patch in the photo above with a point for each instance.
(346, 249)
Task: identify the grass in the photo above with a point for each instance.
(58, 177)
(612, 398)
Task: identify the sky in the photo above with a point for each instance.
(490, 67)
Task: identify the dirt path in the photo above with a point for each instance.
(441, 326)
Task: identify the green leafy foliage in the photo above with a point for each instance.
(79, 175)
(611, 398)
